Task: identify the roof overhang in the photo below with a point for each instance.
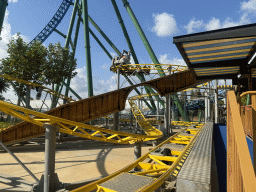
(222, 52)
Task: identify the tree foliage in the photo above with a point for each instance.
(3, 87)
(59, 61)
(36, 63)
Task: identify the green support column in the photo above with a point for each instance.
(151, 52)
(68, 41)
(3, 5)
(101, 45)
(141, 77)
(72, 91)
(112, 45)
(143, 37)
(87, 47)
(107, 53)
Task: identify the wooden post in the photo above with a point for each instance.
(253, 99)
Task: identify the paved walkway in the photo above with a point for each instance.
(75, 162)
(81, 161)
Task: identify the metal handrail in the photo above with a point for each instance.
(248, 92)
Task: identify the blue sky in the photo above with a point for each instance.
(160, 20)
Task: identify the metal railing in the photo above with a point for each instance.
(240, 172)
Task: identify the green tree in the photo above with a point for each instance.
(36, 63)
(24, 62)
(4, 85)
(57, 67)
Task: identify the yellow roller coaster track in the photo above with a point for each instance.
(152, 169)
(69, 115)
(45, 89)
(95, 107)
(133, 67)
(80, 130)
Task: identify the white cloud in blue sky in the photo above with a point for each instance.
(165, 24)
(13, 1)
(215, 23)
(194, 24)
(164, 59)
(249, 6)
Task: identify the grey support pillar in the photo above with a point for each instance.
(205, 106)
(216, 103)
(131, 119)
(51, 181)
(225, 99)
(107, 121)
(166, 117)
(185, 108)
(169, 105)
(173, 107)
(208, 102)
(136, 122)
(137, 152)
(116, 115)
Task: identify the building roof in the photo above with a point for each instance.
(219, 53)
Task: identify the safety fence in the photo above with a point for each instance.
(240, 172)
(246, 116)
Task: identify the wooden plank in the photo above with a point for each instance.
(105, 104)
(99, 106)
(19, 130)
(9, 136)
(92, 106)
(111, 102)
(116, 98)
(79, 112)
(65, 112)
(73, 112)
(86, 110)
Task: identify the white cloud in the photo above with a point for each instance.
(164, 60)
(246, 8)
(165, 24)
(213, 24)
(12, 1)
(193, 24)
(113, 54)
(249, 6)
(100, 85)
(6, 36)
(216, 24)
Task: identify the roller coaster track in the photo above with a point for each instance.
(54, 22)
(151, 170)
(92, 108)
(34, 85)
(80, 130)
(132, 69)
(143, 123)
